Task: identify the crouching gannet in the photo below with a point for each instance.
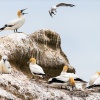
(5, 66)
(54, 8)
(15, 24)
(35, 69)
(94, 77)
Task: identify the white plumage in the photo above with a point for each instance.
(54, 8)
(94, 77)
(35, 69)
(5, 66)
(68, 78)
(16, 23)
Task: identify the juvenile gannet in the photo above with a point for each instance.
(5, 66)
(16, 23)
(54, 8)
(35, 69)
(94, 77)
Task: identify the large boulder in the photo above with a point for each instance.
(44, 45)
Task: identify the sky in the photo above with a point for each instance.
(78, 27)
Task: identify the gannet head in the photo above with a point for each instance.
(98, 73)
(65, 68)
(4, 58)
(32, 60)
(21, 13)
(72, 81)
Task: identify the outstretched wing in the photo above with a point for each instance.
(64, 4)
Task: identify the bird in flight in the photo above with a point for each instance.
(16, 23)
(53, 9)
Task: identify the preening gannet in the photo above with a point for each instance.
(35, 69)
(94, 77)
(5, 66)
(54, 8)
(16, 23)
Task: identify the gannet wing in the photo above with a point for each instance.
(64, 4)
(12, 23)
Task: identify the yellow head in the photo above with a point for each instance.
(33, 60)
(72, 81)
(20, 12)
(98, 73)
(65, 68)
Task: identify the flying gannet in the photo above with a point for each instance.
(35, 69)
(54, 8)
(5, 67)
(94, 77)
(16, 23)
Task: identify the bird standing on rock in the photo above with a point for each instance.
(35, 69)
(15, 24)
(5, 67)
(54, 8)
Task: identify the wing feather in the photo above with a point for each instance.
(64, 4)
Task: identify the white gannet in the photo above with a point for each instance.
(68, 81)
(16, 23)
(35, 69)
(5, 66)
(64, 72)
(54, 8)
(95, 84)
(79, 82)
(94, 77)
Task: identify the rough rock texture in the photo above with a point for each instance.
(44, 45)
(16, 86)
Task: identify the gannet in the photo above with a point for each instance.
(94, 77)
(16, 23)
(35, 69)
(64, 72)
(54, 8)
(5, 66)
(95, 84)
(70, 81)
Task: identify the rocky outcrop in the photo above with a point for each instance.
(44, 45)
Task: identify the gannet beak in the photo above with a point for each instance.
(23, 10)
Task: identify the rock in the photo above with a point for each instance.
(44, 45)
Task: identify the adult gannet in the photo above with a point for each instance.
(70, 81)
(64, 72)
(5, 66)
(54, 8)
(35, 69)
(94, 77)
(16, 23)
(95, 84)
